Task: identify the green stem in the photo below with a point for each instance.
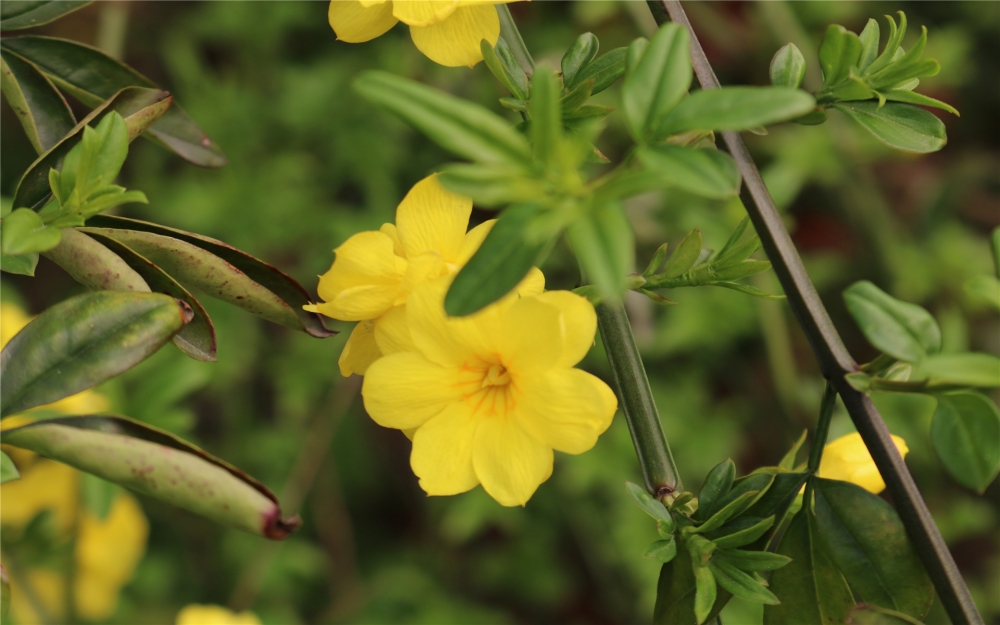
(629, 376)
(510, 34)
(822, 427)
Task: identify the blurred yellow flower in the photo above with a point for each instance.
(374, 272)
(448, 32)
(492, 394)
(214, 615)
(847, 459)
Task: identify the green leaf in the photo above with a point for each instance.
(732, 508)
(908, 97)
(902, 330)
(907, 66)
(603, 242)
(516, 84)
(760, 483)
(8, 472)
(23, 232)
(605, 70)
(891, 46)
(579, 55)
(572, 101)
(779, 497)
(975, 369)
(705, 172)
(751, 560)
(900, 126)
(744, 536)
(840, 50)
(492, 186)
(138, 107)
(546, 118)
(656, 262)
(648, 504)
(157, 464)
(788, 461)
(662, 550)
(18, 14)
(20, 265)
(869, 44)
(735, 108)
(658, 81)
(985, 290)
(197, 338)
(83, 341)
(41, 109)
(717, 483)
(92, 76)
(505, 257)
(706, 592)
(685, 256)
(94, 265)
(966, 436)
(788, 67)
(867, 541)
(675, 593)
(97, 495)
(461, 127)
(267, 292)
(865, 614)
(810, 587)
(740, 584)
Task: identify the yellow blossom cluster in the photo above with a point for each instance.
(484, 398)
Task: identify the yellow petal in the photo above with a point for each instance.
(423, 12)
(354, 22)
(404, 390)
(847, 459)
(509, 463)
(566, 409)
(432, 218)
(392, 334)
(48, 586)
(430, 330)
(360, 351)
(214, 615)
(364, 280)
(421, 267)
(532, 284)
(390, 231)
(45, 485)
(12, 320)
(454, 42)
(473, 239)
(579, 324)
(442, 452)
(532, 337)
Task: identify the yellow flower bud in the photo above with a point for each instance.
(847, 459)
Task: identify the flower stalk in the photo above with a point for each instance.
(822, 427)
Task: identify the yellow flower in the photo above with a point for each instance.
(374, 272)
(847, 459)
(214, 615)
(448, 32)
(491, 395)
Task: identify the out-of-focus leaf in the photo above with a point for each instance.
(4, 592)
(287, 296)
(717, 483)
(788, 67)
(20, 265)
(735, 108)
(900, 329)
(840, 50)
(705, 172)
(810, 587)
(40, 107)
(546, 119)
(18, 14)
(92, 76)
(966, 436)
(868, 543)
(658, 81)
(867, 614)
(83, 341)
(500, 263)
(466, 129)
(491, 186)
(582, 52)
(969, 369)
(788, 461)
(662, 550)
(197, 338)
(605, 70)
(900, 126)
(139, 107)
(97, 495)
(160, 465)
(604, 243)
(8, 471)
(648, 503)
(24, 232)
(685, 256)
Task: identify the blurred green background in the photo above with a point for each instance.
(312, 163)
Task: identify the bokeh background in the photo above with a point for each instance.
(311, 163)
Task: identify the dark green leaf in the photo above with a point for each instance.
(744, 536)
(94, 265)
(20, 265)
(685, 256)
(466, 129)
(97, 495)
(662, 550)
(740, 584)
(735, 108)
(751, 560)
(139, 108)
(675, 593)
(8, 472)
(502, 261)
(605, 70)
(82, 342)
(900, 126)
(92, 76)
(516, 84)
(40, 107)
(197, 338)
(760, 482)
(648, 503)
(747, 289)
(902, 330)
(966, 436)
(24, 232)
(733, 507)
(788, 67)
(865, 614)
(705, 172)
(604, 244)
(840, 50)
(581, 53)
(810, 587)
(658, 81)
(287, 296)
(869, 44)
(868, 543)
(971, 369)
(717, 483)
(546, 117)
(18, 14)
(788, 461)
(909, 97)
(158, 464)
(780, 496)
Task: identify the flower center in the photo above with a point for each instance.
(496, 376)
(487, 386)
